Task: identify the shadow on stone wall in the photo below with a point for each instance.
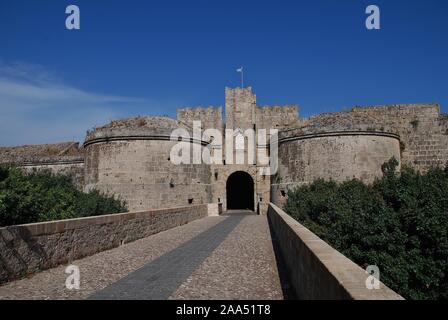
(26, 249)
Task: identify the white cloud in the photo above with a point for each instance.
(36, 107)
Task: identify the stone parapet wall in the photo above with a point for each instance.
(136, 128)
(26, 249)
(42, 153)
(390, 118)
(60, 158)
(276, 117)
(74, 169)
(316, 270)
(210, 117)
(421, 127)
(44, 156)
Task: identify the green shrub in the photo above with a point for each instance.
(399, 223)
(42, 196)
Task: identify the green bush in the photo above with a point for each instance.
(42, 196)
(399, 223)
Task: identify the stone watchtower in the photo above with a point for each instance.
(236, 184)
(240, 108)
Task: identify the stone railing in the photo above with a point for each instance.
(25, 249)
(316, 270)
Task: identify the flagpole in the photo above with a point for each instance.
(240, 69)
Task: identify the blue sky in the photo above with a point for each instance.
(150, 57)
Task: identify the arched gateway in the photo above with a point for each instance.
(240, 191)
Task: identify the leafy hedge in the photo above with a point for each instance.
(399, 223)
(42, 196)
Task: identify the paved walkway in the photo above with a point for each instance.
(226, 257)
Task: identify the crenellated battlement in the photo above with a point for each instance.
(131, 157)
(211, 117)
(277, 116)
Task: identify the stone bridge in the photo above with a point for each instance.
(179, 253)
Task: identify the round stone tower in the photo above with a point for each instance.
(130, 158)
(336, 146)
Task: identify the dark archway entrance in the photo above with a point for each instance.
(240, 191)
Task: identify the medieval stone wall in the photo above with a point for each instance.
(422, 128)
(338, 156)
(29, 248)
(422, 131)
(443, 119)
(210, 117)
(240, 108)
(131, 159)
(316, 270)
(41, 153)
(141, 172)
(354, 144)
(74, 169)
(276, 117)
(60, 158)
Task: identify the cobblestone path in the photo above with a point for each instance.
(226, 257)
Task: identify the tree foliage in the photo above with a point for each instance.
(43, 196)
(399, 223)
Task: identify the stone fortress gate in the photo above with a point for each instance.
(131, 157)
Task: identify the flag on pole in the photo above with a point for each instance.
(240, 69)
